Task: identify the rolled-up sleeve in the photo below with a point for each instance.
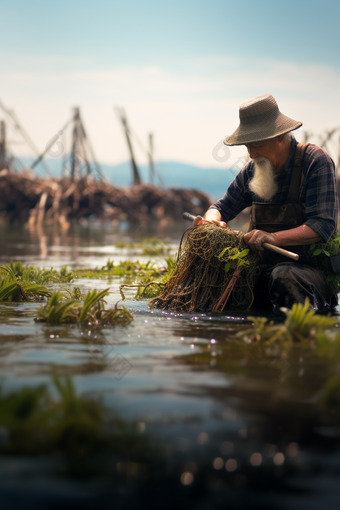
(321, 199)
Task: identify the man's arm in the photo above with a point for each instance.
(211, 216)
(293, 237)
(232, 203)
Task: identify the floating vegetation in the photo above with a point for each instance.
(41, 276)
(144, 290)
(34, 422)
(57, 310)
(149, 287)
(127, 268)
(123, 268)
(301, 323)
(155, 248)
(152, 246)
(21, 283)
(15, 288)
(74, 293)
(279, 365)
(61, 310)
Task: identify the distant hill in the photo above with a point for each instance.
(174, 174)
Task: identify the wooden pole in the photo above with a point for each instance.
(152, 166)
(74, 143)
(2, 145)
(136, 177)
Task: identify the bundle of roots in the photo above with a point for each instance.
(214, 271)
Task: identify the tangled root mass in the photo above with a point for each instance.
(206, 277)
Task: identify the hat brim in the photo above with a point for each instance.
(281, 126)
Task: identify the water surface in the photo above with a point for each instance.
(236, 426)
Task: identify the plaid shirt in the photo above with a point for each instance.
(318, 194)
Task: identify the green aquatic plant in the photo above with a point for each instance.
(125, 268)
(55, 419)
(332, 247)
(93, 305)
(109, 265)
(17, 268)
(301, 321)
(233, 258)
(151, 284)
(148, 289)
(13, 288)
(40, 276)
(300, 324)
(76, 419)
(262, 329)
(321, 254)
(94, 310)
(116, 315)
(155, 247)
(66, 276)
(74, 293)
(59, 310)
(122, 244)
(153, 241)
(170, 264)
(152, 247)
(148, 286)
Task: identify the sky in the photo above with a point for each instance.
(180, 70)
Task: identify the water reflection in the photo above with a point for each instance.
(78, 246)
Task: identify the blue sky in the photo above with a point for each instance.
(180, 69)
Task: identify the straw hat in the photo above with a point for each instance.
(260, 119)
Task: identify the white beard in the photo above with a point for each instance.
(263, 183)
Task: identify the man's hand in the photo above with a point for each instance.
(255, 239)
(199, 220)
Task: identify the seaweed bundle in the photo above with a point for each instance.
(214, 270)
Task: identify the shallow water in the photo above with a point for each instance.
(237, 426)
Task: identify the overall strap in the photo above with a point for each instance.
(294, 188)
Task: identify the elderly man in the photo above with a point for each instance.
(291, 189)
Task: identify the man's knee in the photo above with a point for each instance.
(285, 285)
(291, 283)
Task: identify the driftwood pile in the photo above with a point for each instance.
(26, 198)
